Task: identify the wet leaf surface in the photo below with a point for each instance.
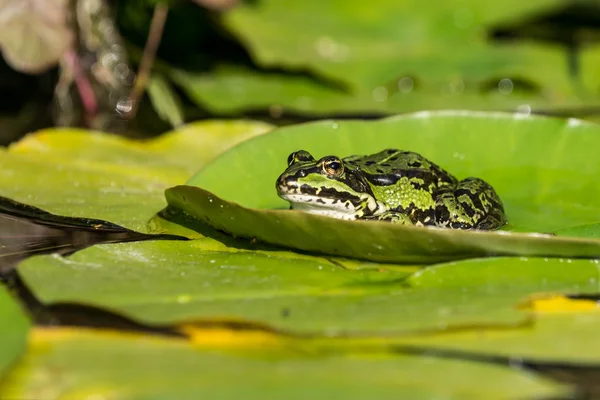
(556, 192)
(391, 243)
(88, 174)
(173, 282)
(78, 363)
(13, 334)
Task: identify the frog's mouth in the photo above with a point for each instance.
(327, 201)
(337, 208)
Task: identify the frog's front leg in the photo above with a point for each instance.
(391, 216)
(471, 204)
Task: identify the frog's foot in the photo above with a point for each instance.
(393, 217)
(471, 204)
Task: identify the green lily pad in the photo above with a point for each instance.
(561, 338)
(85, 364)
(588, 231)
(386, 242)
(166, 282)
(231, 90)
(544, 170)
(79, 173)
(350, 40)
(13, 335)
(399, 57)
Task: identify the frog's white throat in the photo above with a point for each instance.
(342, 209)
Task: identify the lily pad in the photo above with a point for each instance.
(567, 338)
(544, 170)
(367, 46)
(79, 173)
(84, 364)
(13, 335)
(398, 57)
(588, 231)
(386, 242)
(166, 282)
(230, 90)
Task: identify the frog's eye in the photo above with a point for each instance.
(333, 167)
(300, 155)
(291, 159)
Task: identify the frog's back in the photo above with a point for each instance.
(391, 164)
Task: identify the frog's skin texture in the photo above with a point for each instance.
(392, 185)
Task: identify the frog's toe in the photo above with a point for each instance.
(491, 223)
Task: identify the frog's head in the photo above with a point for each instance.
(325, 186)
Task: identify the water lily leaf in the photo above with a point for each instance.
(34, 34)
(346, 37)
(559, 304)
(549, 273)
(166, 282)
(13, 335)
(104, 364)
(589, 231)
(386, 242)
(79, 173)
(400, 57)
(230, 90)
(543, 169)
(569, 338)
(562, 331)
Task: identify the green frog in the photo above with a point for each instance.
(392, 185)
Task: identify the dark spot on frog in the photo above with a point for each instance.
(468, 209)
(379, 170)
(308, 189)
(320, 201)
(385, 165)
(415, 164)
(395, 158)
(391, 151)
(369, 163)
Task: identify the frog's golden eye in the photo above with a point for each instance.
(333, 167)
(300, 155)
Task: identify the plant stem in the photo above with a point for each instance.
(154, 36)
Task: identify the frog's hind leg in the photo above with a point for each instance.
(471, 204)
(391, 216)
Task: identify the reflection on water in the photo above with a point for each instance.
(26, 231)
(21, 238)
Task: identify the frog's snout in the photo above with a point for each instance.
(286, 184)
